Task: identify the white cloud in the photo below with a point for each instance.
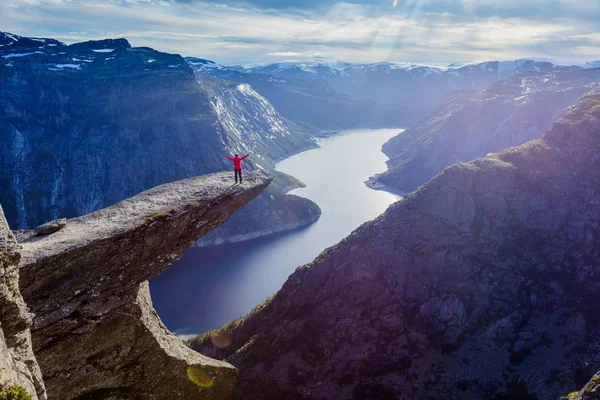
(413, 31)
(285, 54)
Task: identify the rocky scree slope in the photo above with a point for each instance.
(483, 284)
(470, 125)
(95, 333)
(18, 366)
(87, 125)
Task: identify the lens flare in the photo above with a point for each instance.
(220, 339)
(200, 377)
(395, 3)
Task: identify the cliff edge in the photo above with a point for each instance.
(95, 333)
(18, 366)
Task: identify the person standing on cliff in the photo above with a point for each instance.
(237, 165)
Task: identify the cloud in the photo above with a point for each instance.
(439, 31)
(285, 54)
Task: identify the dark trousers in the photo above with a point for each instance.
(236, 173)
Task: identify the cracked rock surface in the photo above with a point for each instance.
(95, 332)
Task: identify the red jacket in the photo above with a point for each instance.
(237, 161)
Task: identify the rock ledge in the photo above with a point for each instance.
(95, 333)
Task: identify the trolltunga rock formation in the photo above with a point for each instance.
(95, 333)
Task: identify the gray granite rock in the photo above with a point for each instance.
(50, 227)
(18, 365)
(95, 332)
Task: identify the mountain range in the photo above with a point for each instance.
(397, 93)
(470, 125)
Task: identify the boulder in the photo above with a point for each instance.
(50, 227)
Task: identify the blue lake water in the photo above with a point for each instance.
(211, 286)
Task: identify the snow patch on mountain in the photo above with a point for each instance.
(60, 67)
(204, 66)
(21, 54)
(14, 38)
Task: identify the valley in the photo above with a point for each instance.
(211, 286)
(404, 230)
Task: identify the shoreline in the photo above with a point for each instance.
(371, 183)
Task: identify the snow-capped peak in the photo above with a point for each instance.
(591, 64)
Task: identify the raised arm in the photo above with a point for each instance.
(246, 156)
(229, 158)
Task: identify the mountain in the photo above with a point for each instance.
(311, 102)
(343, 95)
(405, 86)
(467, 126)
(86, 125)
(483, 284)
(253, 125)
(17, 362)
(300, 70)
(325, 71)
(592, 64)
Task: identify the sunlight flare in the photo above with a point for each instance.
(200, 377)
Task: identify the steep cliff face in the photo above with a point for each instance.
(87, 125)
(468, 126)
(95, 333)
(311, 102)
(255, 126)
(483, 284)
(18, 366)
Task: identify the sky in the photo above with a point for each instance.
(362, 31)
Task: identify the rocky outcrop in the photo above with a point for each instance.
(483, 284)
(270, 213)
(470, 125)
(18, 366)
(591, 391)
(50, 227)
(95, 332)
